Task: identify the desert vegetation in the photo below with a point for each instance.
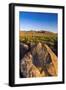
(34, 37)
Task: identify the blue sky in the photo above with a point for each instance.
(38, 21)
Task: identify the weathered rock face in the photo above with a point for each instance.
(38, 61)
(40, 55)
(27, 67)
(54, 60)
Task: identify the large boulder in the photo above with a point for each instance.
(42, 58)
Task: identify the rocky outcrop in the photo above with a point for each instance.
(39, 61)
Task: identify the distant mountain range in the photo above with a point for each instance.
(37, 31)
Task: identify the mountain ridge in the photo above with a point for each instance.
(37, 31)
